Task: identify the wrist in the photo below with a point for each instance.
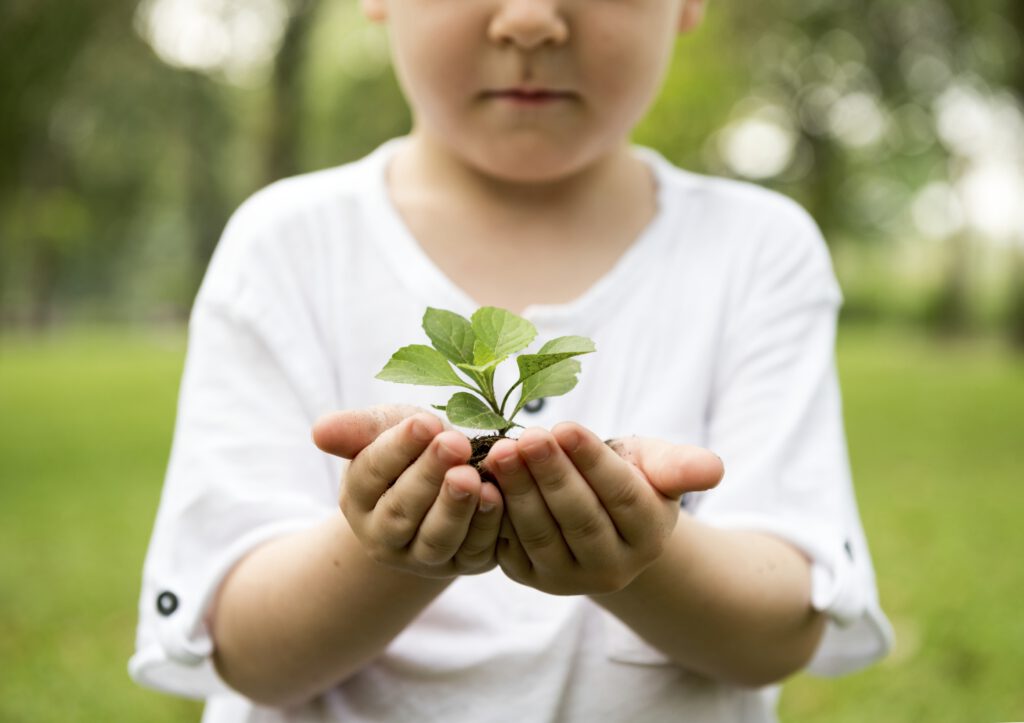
(673, 563)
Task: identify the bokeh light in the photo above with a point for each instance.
(233, 37)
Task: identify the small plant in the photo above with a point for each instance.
(475, 347)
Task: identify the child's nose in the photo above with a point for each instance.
(528, 23)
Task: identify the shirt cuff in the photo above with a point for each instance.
(857, 632)
(174, 647)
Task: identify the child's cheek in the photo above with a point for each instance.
(627, 55)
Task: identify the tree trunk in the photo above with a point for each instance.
(1015, 312)
(43, 272)
(286, 100)
(206, 206)
(48, 170)
(950, 312)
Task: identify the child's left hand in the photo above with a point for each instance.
(588, 517)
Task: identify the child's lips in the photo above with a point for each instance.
(530, 96)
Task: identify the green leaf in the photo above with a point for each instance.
(499, 333)
(451, 334)
(479, 368)
(467, 410)
(575, 344)
(552, 381)
(484, 356)
(564, 347)
(420, 364)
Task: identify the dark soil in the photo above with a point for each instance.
(481, 446)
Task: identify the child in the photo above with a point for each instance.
(586, 591)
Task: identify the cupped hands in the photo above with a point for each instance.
(584, 516)
(409, 495)
(574, 516)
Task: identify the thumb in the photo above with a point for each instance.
(672, 469)
(346, 433)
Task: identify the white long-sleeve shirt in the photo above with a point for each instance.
(715, 328)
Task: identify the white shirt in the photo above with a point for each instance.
(715, 328)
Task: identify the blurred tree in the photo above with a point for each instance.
(287, 107)
(701, 86)
(38, 49)
(121, 166)
(105, 140)
(352, 96)
(839, 71)
(207, 129)
(1015, 315)
(859, 82)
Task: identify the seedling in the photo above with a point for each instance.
(475, 347)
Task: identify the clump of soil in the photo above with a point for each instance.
(481, 446)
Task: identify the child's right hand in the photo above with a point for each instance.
(408, 493)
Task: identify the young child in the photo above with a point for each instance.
(591, 588)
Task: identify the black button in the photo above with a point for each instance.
(166, 603)
(534, 405)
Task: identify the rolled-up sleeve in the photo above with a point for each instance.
(243, 468)
(776, 421)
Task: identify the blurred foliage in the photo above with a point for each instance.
(122, 160)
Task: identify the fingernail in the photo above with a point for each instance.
(421, 431)
(537, 452)
(508, 464)
(486, 506)
(456, 493)
(447, 452)
(572, 441)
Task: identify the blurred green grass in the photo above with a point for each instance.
(85, 427)
(936, 432)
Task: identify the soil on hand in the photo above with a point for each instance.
(481, 446)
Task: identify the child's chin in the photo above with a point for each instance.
(536, 167)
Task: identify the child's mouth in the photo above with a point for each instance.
(530, 97)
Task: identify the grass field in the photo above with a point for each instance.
(937, 442)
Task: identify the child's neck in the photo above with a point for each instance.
(427, 172)
(512, 245)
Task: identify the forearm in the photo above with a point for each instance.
(731, 605)
(305, 611)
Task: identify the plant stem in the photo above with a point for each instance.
(507, 395)
(480, 382)
(494, 405)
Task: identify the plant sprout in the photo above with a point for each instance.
(475, 347)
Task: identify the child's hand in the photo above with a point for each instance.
(589, 517)
(408, 493)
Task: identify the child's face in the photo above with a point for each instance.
(604, 60)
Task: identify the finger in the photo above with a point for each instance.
(582, 519)
(621, 489)
(445, 525)
(400, 511)
(506, 531)
(346, 433)
(531, 520)
(374, 469)
(512, 558)
(673, 469)
(477, 549)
